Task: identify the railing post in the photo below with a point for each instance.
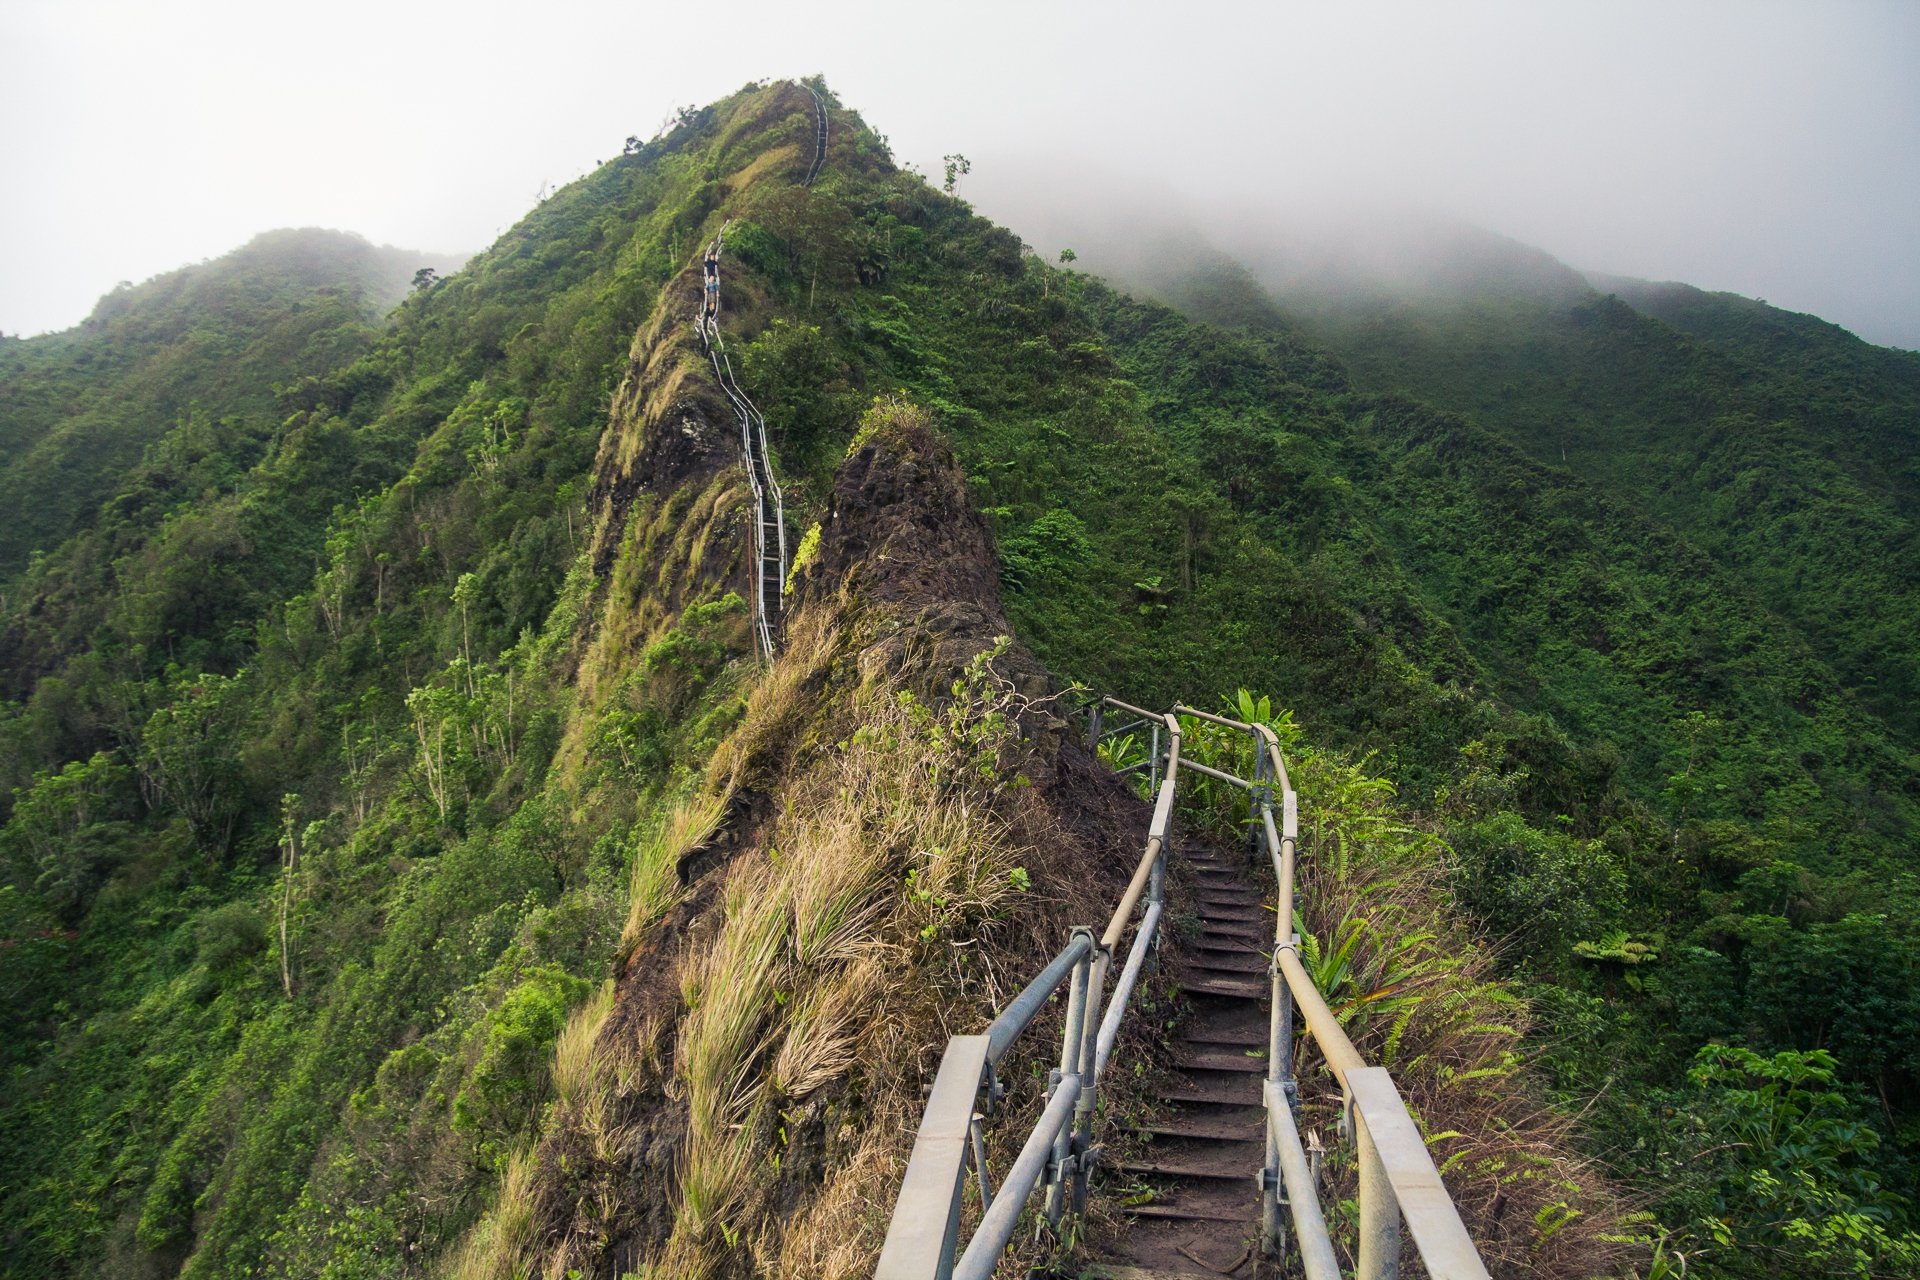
(1379, 1211)
(1258, 799)
(1093, 728)
(1072, 1047)
(1082, 1127)
(978, 1141)
(1153, 769)
(1279, 1072)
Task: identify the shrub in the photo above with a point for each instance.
(230, 934)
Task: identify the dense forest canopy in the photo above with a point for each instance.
(354, 661)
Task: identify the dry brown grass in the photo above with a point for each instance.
(838, 1234)
(501, 1245)
(653, 883)
(573, 1051)
(877, 859)
(780, 720)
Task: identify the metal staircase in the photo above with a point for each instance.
(1238, 1113)
(819, 134)
(769, 508)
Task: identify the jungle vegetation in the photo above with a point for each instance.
(329, 796)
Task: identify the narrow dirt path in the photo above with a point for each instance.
(1192, 1175)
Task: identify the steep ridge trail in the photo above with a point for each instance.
(1228, 1114)
(769, 510)
(1190, 1181)
(819, 135)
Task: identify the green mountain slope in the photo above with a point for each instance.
(203, 348)
(351, 756)
(1780, 445)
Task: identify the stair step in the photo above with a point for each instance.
(1249, 1038)
(1237, 1063)
(1198, 1213)
(1233, 915)
(1231, 932)
(1238, 929)
(1224, 943)
(1229, 1092)
(1210, 908)
(1205, 986)
(1218, 962)
(1234, 948)
(1183, 1169)
(1202, 1131)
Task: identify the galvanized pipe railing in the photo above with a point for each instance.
(1296, 1172)
(923, 1237)
(1398, 1179)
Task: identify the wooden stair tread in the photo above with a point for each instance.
(1202, 1131)
(1183, 1169)
(1233, 915)
(1222, 964)
(1223, 1062)
(1237, 1093)
(1220, 1131)
(1248, 1039)
(1204, 986)
(1232, 931)
(1231, 947)
(1198, 1213)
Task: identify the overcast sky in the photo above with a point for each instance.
(1770, 149)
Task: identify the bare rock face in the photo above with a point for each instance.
(906, 558)
(903, 529)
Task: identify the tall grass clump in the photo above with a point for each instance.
(892, 849)
(501, 1246)
(653, 884)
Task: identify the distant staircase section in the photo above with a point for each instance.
(819, 134)
(769, 509)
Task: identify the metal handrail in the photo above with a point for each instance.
(1296, 1172)
(1399, 1184)
(923, 1235)
(1023, 1008)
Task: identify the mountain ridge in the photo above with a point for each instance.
(353, 791)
